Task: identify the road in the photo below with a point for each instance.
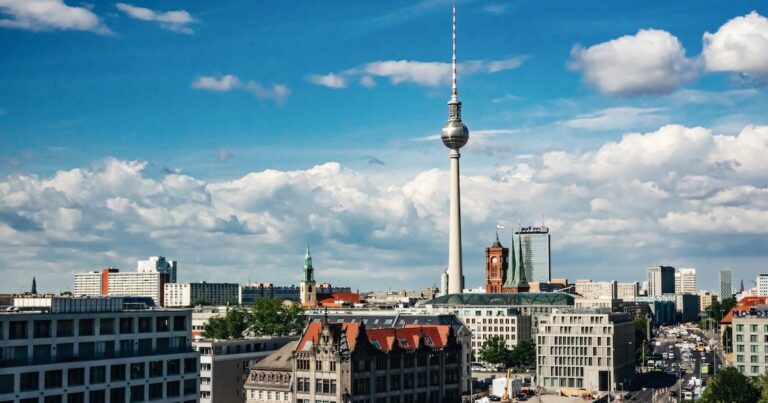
(687, 369)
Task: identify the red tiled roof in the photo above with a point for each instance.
(329, 300)
(407, 338)
(312, 333)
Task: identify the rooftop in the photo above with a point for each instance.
(516, 299)
(279, 359)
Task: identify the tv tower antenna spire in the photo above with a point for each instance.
(454, 94)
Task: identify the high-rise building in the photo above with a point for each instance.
(661, 280)
(762, 284)
(564, 360)
(627, 291)
(158, 264)
(444, 282)
(96, 349)
(596, 289)
(750, 339)
(189, 294)
(454, 136)
(685, 281)
(535, 243)
(726, 288)
(147, 281)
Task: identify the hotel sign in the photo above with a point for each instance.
(763, 312)
(538, 230)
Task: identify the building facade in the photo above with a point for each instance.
(762, 284)
(685, 281)
(661, 280)
(596, 289)
(726, 286)
(269, 380)
(536, 253)
(586, 349)
(158, 264)
(505, 268)
(627, 291)
(706, 299)
(345, 362)
(148, 281)
(189, 294)
(92, 349)
(225, 365)
(750, 340)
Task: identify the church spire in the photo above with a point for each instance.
(308, 270)
(34, 285)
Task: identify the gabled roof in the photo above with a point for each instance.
(312, 332)
(280, 359)
(409, 338)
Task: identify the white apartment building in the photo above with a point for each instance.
(63, 349)
(706, 299)
(112, 282)
(187, 294)
(596, 289)
(88, 284)
(750, 341)
(225, 365)
(594, 303)
(685, 281)
(588, 349)
(506, 323)
(762, 284)
(627, 291)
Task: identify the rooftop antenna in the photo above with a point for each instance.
(454, 93)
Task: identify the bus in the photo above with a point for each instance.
(704, 368)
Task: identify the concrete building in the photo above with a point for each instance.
(596, 289)
(726, 286)
(251, 292)
(189, 294)
(663, 308)
(589, 349)
(201, 315)
(399, 298)
(706, 299)
(536, 305)
(345, 362)
(94, 349)
(661, 280)
(627, 291)
(687, 306)
(750, 340)
(444, 282)
(685, 281)
(148, 281)
(225, 365)
(270, 379)
(762, 284)
(612, 305)
(536, 253)
(158, 264)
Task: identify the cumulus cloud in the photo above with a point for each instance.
(49, 15)
(740, 45)
(177, 20)
(229, 82)
(650, 62)
(430, 74)
(670, 193)
(619, 118)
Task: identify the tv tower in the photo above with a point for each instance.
(455, 135)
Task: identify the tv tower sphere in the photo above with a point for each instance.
(455, 133)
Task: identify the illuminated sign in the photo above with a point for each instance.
(750, 312)
(529, 229)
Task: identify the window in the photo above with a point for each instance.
(52, 399)
(17, 330)
(302, 365)
(65, 351)
(190, 386)
(394, 382)
(29, 381)
(97, 396)
(325, 386)
(173, 367)
(76, 376)
(179, 323)
(333, 366)
(155, 369)
(137, 370)
(137, 393)
(739, 337)
(155, 391)
(117, 394)
(53, 379)
(162, 324)
(145, 346)
(86, 350)
(381, 384)
(98, 374)
(172, 389)
(42, 329)
(302, 385)
(381, 363)
(126, 325)
(752, 328)
(76, 397)
(318, 365)
(145, 325)
(107, 326)
(41, 353)
(190, 365)
(85, 327)
(65, 328)
(117, 372)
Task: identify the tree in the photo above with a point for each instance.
(523, 355)
(641, 338)
(230, 326)
(730, 386)
(761, 383)
(495, 351)
(271, 317)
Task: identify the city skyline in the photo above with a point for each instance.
(187, 130)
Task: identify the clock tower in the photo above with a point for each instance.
(308, 289)
(496, 261)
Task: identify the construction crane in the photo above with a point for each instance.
(505, 396)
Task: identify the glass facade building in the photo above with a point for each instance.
(536, 253)
(726, 287)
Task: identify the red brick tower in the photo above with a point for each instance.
(496, 260)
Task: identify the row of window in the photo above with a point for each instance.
(752, 328)
(46, 328)
(136, 393)
(754, 369)
(53, 379)
(752, 338)
(269, 395)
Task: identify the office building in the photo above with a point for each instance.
(596, 289)
(663, 308)
(685, 281)
(536, 253)
(269, 380)
(537, 305)
(225, 365)
(687, 306)
(612, 305)
(190, 294)
(68, 349)
(346, 361)
(444, 282)
(158, 264)
(202, 314)
(661, 280)
(706, 299)
(750, 340)
(590, 349)
(251, 292)
(726, 288)
(147, 281)
(627, 291)
(762, 284)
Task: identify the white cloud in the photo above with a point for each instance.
(647, 63)
(229, 82)
(329, 80)
(177, 20)
(430, 74)
(675, 191)
(619, 118)
(48, 15)
(740, 45)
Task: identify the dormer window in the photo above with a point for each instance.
(403, 342)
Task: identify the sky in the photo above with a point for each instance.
(228, 135)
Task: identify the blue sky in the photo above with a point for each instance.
(329, 107)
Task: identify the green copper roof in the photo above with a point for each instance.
(308, 270)
(520, 298)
